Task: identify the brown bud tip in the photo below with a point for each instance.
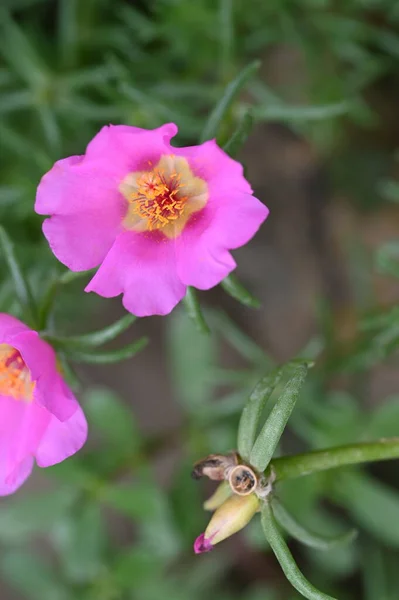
(214, 466)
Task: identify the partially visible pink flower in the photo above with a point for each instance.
(155, 218)
(39, 416)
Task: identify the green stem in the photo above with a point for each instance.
(289, 467)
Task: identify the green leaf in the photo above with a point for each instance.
(31, 576)
(218, 114)
(191, 357)
(69, 276)
(194, 311)
(266, 442)
(107, 414)
(281, 112)
(136, 501)
(103, 358)
(226, 35)
(387, 259)
(303, 535)
(23, 517)
(371, 503)
(389, 189)
(234, 288)
(97, 338)
(21, 284)
(240, 135)
(285, 558)
(252, 412)
(384, 420)
(242, 343)
(80, 543)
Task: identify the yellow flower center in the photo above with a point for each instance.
(164, 197)
(15, 379)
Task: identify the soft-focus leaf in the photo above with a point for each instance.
(107, 414)
(32, 577)
(20, 518)
(387, 259)
(304, 535)
(221, 109)
(191, 357)
(106, 357)
(21, 284)
(80, 543)
(240, 135)
(97, 338)
(371, 503)
(384, 420)
(234, 287)
(194, 310)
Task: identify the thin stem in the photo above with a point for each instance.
(289, 467)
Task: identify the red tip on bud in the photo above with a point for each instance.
(202, 545)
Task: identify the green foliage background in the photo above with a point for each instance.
(68, 67)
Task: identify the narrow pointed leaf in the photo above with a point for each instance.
(374, 505)
(194, 311)
(234, 288)
(252, 412)
(97, 338)
(303, 535)
(21, 284)
(219, 112)
(240, 135)
(270, 435)
(113, 356)
(69, 276)
(285, 558)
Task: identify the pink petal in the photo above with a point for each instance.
(81, 193)
(9, 327)
(225, 223)
(121, 149)
(86, 210)
(211, 163)
(142, 266)
(17, 477)
(200, 262)
(50, 390)
(22, 425)
(62, 439)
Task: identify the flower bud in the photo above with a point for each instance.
(234, 514)
(223, 491)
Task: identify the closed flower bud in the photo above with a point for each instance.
(234, 514)
(223, 491)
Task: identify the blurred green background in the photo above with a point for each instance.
(118, 521)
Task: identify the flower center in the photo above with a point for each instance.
(164, 197)
(158, 200)
(15, 379)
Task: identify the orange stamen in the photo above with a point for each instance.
(15, 379)
(159, 198)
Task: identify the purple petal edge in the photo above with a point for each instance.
(202, 545)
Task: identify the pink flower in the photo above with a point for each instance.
(155, 218)
(39, 416)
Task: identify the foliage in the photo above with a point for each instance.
(68, 67)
